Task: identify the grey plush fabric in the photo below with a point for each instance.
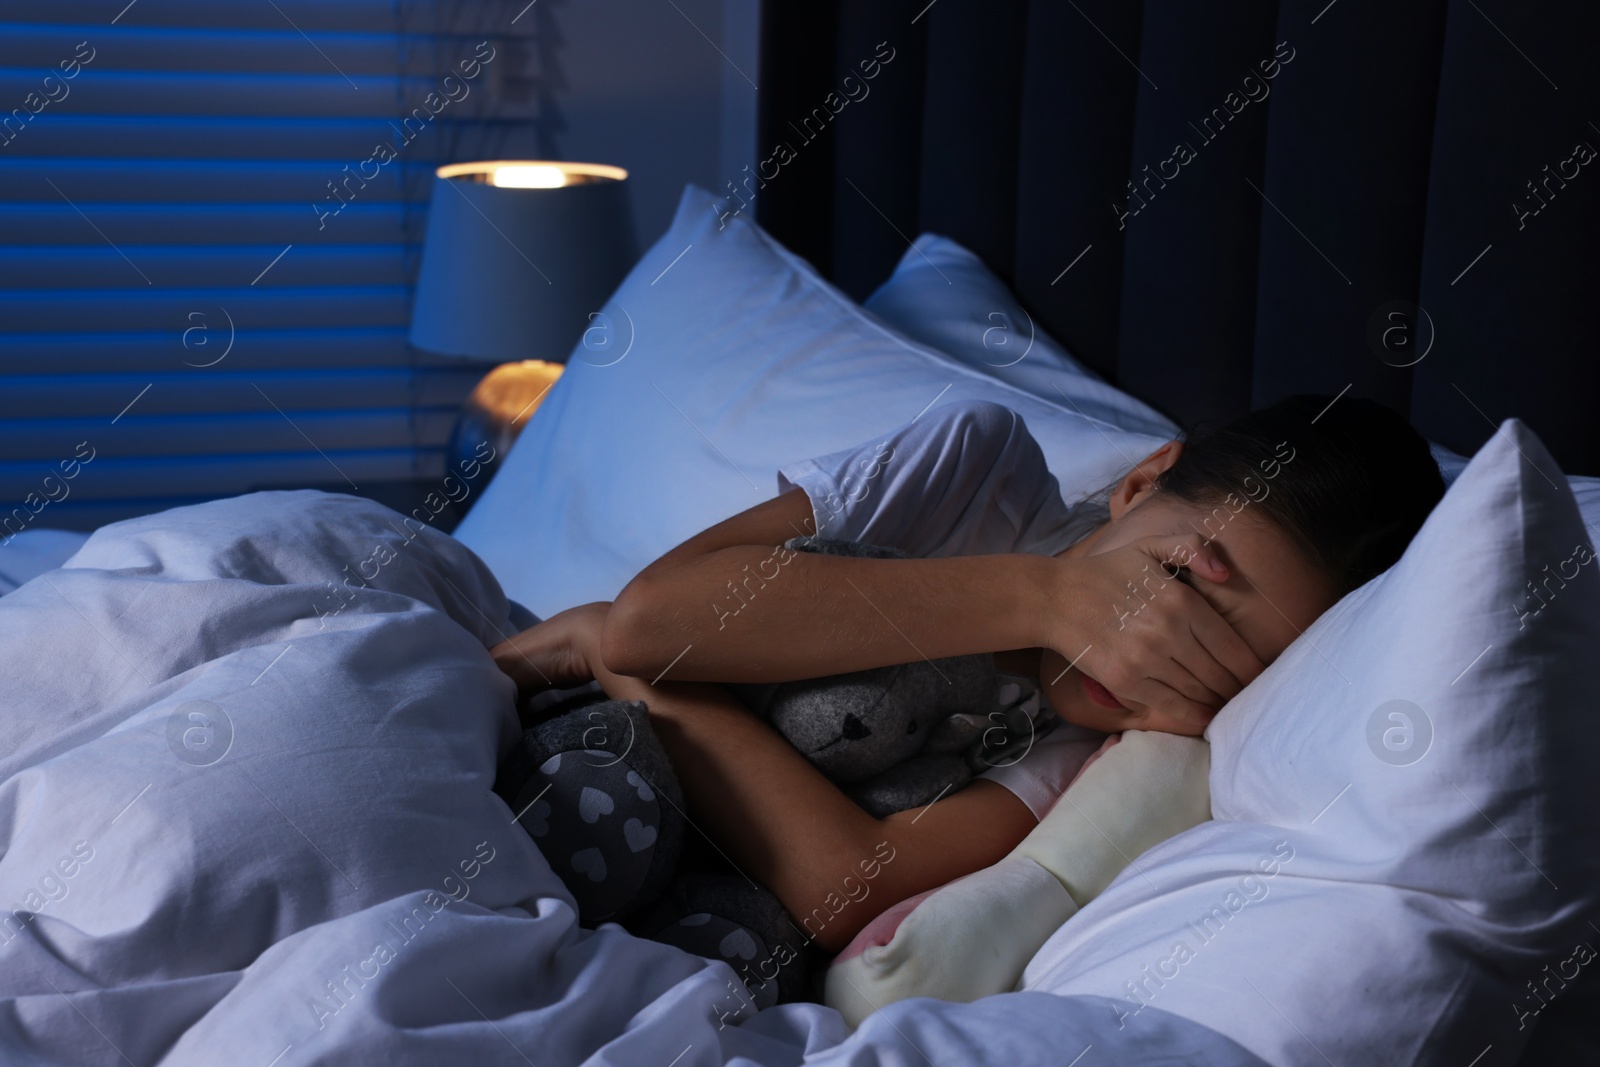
(853, 726)
(589, 787)
(917, 782)
(858, 726)
(727, 917)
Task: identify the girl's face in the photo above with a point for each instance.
(1272, 594)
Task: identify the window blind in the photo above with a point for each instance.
(210, 223)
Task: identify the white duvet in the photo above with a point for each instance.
(245, 812)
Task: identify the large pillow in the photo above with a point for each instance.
(721, 357)
(1402, 867)
(945, 297)
(1585, 490)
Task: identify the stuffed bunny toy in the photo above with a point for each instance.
(595, 789)
(892, 737)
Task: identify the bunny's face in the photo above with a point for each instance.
(853, 726)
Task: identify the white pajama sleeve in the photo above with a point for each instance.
(963, 478)
(1043, 772)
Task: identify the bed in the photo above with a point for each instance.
(250, 744)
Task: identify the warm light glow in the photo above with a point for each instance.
(542, 176)
(532, 173)
(512, 392)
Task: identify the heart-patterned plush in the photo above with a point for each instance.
(592, 803)
(589, 861)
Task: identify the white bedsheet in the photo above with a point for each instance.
(247, 820)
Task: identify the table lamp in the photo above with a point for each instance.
(518, 254)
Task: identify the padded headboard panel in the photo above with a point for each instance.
(1413, 180)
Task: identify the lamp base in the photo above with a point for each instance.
(494, 415)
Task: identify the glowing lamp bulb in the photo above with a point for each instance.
(529, 177)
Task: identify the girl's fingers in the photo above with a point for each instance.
(1180, 678)
(1206, 670)
(1224, 645)
(1210, 651)
(1189, 552)
(1154, 696)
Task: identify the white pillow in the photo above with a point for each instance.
(721, 357)
(1586, 490)
(943, 296)
(1406, 809)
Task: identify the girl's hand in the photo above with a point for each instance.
(1134, 624)
(558, 653)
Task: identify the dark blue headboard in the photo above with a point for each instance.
(1413, 180)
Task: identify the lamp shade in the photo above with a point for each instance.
(518, 254)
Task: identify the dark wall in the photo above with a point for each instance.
(1209, 237)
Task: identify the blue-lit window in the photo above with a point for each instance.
(210, 220)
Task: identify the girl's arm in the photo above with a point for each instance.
(833, 866)
(730, 605)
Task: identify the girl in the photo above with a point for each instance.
(1146, 607)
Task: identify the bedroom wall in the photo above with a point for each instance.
(664, 89)
(1314, 229)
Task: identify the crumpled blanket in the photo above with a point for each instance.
(245, 817)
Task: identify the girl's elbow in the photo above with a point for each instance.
(842, 907)
(626, 644)
(826, 919)
(832, 931)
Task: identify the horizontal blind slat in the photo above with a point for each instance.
(212, 391)
(202, 224)
(336, 140)
(327, 95)
(207, 161)
(141, 352)
(196, 268)
(309, 16)
(275, 50)
(109, 477)
(48, 441)
(155, 307)
(239, 182)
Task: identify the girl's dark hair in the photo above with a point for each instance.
(1348, 480)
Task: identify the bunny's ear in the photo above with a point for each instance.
(959, 731)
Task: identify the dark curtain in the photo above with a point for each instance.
(1219, 205)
